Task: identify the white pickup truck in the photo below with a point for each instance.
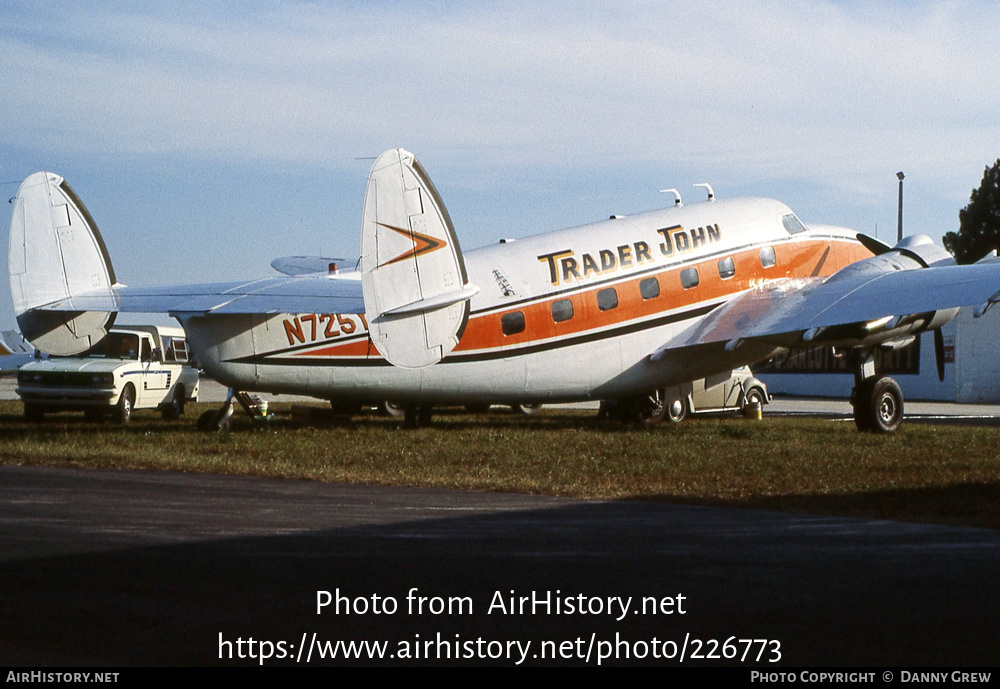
(134, 367)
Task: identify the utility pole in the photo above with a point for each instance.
(899, 216)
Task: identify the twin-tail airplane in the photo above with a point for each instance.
(629, 309)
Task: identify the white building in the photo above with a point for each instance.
(971, 371)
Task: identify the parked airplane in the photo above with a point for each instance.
(632, 308)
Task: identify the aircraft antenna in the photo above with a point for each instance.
(677, 195)
(708, 188)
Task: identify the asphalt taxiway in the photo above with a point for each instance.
(107, 568)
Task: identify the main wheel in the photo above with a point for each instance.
(345, 407)
(878, 405)
(123, 411)
(214, 420)
(861, 402)
(417, 415)
(394, 409)
(886, 404)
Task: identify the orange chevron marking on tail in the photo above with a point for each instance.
(422, 244)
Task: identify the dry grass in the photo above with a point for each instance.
(942, 474)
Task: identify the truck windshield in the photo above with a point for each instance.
(115, 346)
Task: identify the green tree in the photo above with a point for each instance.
(979, 222)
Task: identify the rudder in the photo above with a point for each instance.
(413, 275)
(56, 252)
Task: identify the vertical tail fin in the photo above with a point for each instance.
(56, 252)
(413, 275)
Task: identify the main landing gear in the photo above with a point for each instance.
(877, 401)
(646, 410)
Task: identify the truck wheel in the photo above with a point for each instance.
(754, 395)
(677, 410)
(125, 405)
(175, 407)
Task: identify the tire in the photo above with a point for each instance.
(527, 409)
(861, 402)
(345, 408)
(33, 413)
(175, 407)
(417, 415)
(393, 409)
(651, 409)
(677, 410)
(754, 395)
(126, 403)
(209, 421)
(886, 404)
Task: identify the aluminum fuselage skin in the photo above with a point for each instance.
(564, 316)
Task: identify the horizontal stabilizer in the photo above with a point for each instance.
(433, 303)
(308, 265)
(413, 276)
(56, 252)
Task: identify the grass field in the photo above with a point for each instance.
(943, 474)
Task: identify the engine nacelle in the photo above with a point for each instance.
(923, 249)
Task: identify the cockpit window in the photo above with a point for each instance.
(792, 224)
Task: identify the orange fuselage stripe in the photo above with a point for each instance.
(819, 257)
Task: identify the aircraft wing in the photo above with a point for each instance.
(860, 305)
(306, 294)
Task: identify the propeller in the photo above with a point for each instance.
(876, 246)
(939, 353)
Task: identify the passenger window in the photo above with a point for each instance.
(562, 310)
(767, 258)
(607, 299)
(689, 278)
(512, 323)
(649, 288)
(727, 268)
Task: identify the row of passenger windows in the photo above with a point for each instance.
(649, 288)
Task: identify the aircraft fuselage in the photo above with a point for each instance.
(568, 315)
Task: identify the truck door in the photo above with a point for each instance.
(156, 377)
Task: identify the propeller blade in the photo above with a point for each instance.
(939, 353)
(876, 246)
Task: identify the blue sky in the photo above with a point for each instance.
(208, 138)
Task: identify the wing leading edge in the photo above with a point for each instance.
(854, 307)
